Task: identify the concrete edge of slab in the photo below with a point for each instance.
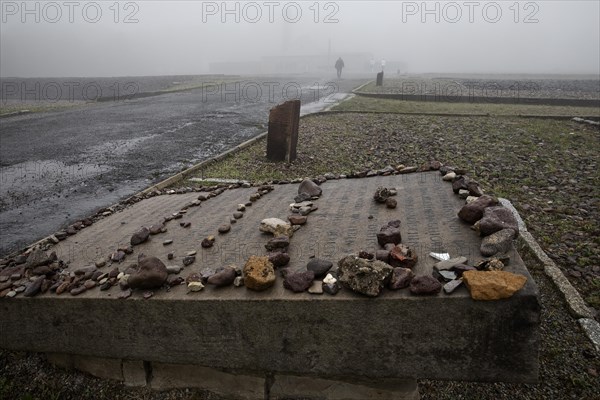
(591, 327)
(575, 303)
(234, 384)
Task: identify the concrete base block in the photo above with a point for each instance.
(134, 373)
(293, 387)
(243, 387)
(106, 368)
(61, 360)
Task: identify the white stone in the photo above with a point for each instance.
(449, 177)
(195, 286)
(276, 226)
(329, 279)
(174, 269)
(191, 253)
(471, 199)
(440, 256)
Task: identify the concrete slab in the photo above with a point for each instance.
(394, 335)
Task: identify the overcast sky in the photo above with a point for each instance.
(106, 38)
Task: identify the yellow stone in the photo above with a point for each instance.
(493, 285)
(259, 273)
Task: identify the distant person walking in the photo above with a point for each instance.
(339, 64)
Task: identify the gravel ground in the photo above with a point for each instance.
(551, 87)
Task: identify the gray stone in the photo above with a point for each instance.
(279, 259)
(452, 286)
(497, 242)
(222, 278)
(140, 236)
(319, 267)
(401, 278)
(389, 233)
(224, 228)
(34, 287)
(278, 242)
(316, 288)
(276, 226)
(238, 214)
(447, 275)
(449, 264)
(309, 187)
(363, 276)
(495, 219)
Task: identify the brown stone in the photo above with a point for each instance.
(493, 285)
(403, 256)
(282, 137)
(151, 273)
(425, 284)
(259, 273)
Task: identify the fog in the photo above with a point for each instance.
(106, 38)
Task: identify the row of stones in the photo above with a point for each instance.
(35, 272)
(47, 243)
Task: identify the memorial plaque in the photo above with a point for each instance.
(394, 335)
(282, 137)
(379, 81)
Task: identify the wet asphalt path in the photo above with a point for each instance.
(57, 167)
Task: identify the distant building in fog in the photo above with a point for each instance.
(299, 64)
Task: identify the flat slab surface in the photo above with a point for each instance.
(277, 331)
(347, 221)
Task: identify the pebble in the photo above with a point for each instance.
(100, 263)
(124, 294)
(276, 226)
(89, 284)
(174, 269)
(238, 215)
(224, 228)
(278, 242)
(403, 256)
(11, 294)
(167, 242)
(299, 281)
(331, 288)
(363, 276)
(151, 273)
(187, 260)
(259, 273)
(319, 267)
(316, 288)
(452, 286)
(191, 253)
(464, 194)
(450, 263)
(140, 236)
(186, 224)
(389, 233)
(241, 207)
(238, 281)
(391, 203)
(297, 219)
(222, 278)
(34, 287)
(449, 177)
(170, 256)
(425, 285)
(195, 286)
(497, 242)
(78, 290)
(147, 295)
(401, 278)
(208, 242)
(279, 259)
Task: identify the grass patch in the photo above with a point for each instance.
(359, 103)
